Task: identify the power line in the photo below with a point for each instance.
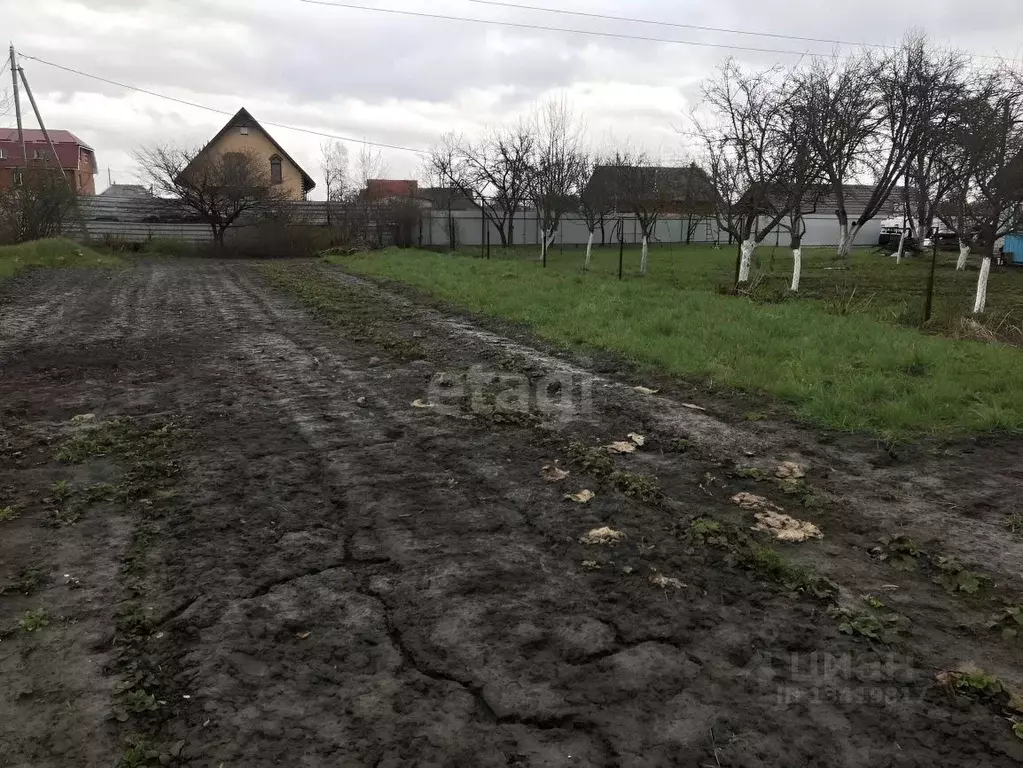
(546, 28)
(680, 25)
(677, 25)
(621, 35)
(215, 109)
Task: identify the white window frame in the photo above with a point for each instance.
(243, 130)
(3, 153)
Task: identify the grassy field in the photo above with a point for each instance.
(53, 252)
(870, 282)
(841, 355)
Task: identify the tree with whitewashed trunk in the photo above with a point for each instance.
(595, 202)
(843, 116)
(898, 115)
(628, 182)
(937, 88)
(557, 167)
(757, 154)
(797, 228)
(987, 203)
(645, 189)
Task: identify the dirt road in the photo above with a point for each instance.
(270, 515)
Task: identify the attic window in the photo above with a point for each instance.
(243, 130)
(275, 170)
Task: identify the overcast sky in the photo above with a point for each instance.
(405, 80)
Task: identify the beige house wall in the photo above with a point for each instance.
(262, 148)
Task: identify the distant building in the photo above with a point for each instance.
(379, 190)
(245, 136)
(678, 190)
(76, 158)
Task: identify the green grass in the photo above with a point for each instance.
(835, 363)
(51, 253)
(169, 246)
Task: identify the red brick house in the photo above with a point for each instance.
(75, 156)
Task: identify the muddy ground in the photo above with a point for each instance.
(265, 515)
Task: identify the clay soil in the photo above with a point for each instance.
(234, 540)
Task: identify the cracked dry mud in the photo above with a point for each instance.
(331, 577)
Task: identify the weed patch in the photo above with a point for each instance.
(593, 460)
(635, 486)
(956, 578)
(34, 620)
(9, 514)
(28, 582)
(1009, 622)
(364, 317)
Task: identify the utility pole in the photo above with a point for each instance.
(17, 106)
(42, 126)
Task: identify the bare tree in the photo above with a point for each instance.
(595, 202)
(986, 203)
(493, 170)
(843, 114)
(370, 164)
(557, 167)
(896, 126)
(443, 198)
(334, 164)
(217, 187)
(758, 157)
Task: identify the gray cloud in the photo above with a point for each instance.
(407, 80)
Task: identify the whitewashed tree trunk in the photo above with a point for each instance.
(589, 251)
(546, 241)
(845, 247)
(964, 255)
(746, 259)
(646, 251)
(797, 268)
(985, 271)
(843, 239)
(902, 246)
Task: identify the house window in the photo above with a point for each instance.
(244, 130)
(39, 154)
(275, 170)
(3, 154)
(18, 179)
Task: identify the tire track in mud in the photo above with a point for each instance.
(912, 506)
(304, 369)
(305, 385)
(372, 584)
